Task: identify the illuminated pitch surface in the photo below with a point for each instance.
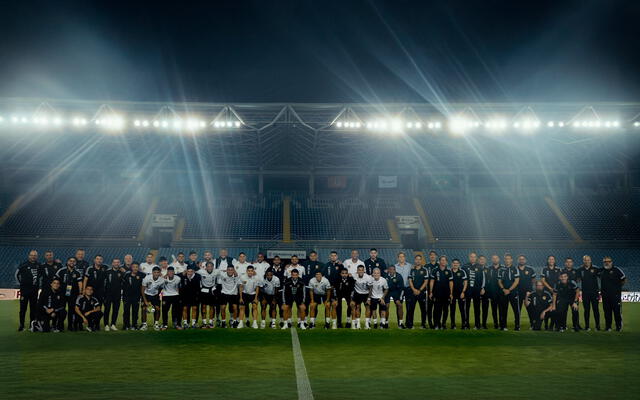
(344, 364)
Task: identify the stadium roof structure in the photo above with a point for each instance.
(349, 138)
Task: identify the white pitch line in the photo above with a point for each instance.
(302, 379)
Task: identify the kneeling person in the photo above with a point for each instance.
(88, 310)
(51, 307)
(539, 305)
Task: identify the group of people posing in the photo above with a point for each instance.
(213, 292)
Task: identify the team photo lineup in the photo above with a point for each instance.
(222, 292)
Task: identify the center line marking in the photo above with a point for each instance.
(302, 379)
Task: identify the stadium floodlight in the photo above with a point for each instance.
(561, 124)
(1, 119)
(616, 124)
(339, 124)
(164, 123)
(636, 124)
(14, 119)
(237, 124)
(203, 124)
(551, 124)
(156, 124)
(137, 123)
(57, 121)
(496, 125)
(229, 124)
(460, 126)
(418, 125)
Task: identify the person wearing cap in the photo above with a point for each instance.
(151, 286)
(171, 299)
(189, 289)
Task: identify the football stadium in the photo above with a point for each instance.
(319, 200)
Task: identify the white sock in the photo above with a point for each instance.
(348, 319)
(401, 322)
(193, 321)
(184, 321)
(289, 320)
(383, 321)
(313, 320)
(367, 320)
(375, 320)
(327, 320)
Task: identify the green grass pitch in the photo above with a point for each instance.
(342, 364)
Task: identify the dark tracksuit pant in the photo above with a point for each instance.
(522, 296)
(130, 315)
(534, 314)
(492, 299)
(473, 296)
(562, 307)
(590, 303)
(171, 303)
(612, 306)
(412, 300)
(505, 300)
(430, 306)
(57, 322)
(28, 299)
(94, 320)
(74, 322)
(463, 311)
(111, 309)
(440, 310)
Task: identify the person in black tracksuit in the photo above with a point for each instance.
(525, 286)
(508, 280)
(71, 281)
(588, 276)
(573, 277)
(95, 277)
(88, 309)
(475, 293)
(343, 286)
(48, 270)
(612, 279)
(441, 284)
(278, 270)
(131, 294)
(112, 293)
(51, 304)
(27, 278)
(539, 304)
(550, 277)
(416, 293)
(431, 266)
(460, 287)
(492, 292)
(565, 296)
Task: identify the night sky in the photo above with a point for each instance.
(322, 51)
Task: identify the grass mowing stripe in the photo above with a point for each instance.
(302, 379)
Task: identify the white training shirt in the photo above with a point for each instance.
(352, 266)
(378, 287)
(208, 280)
(179, 268)
(241, 268)
(147, 268)
(229, 284)
(319, 287)
(261, 268)
(270, 286)
(290, 267)
(362, 284)
(249, 284)
(171, 287)
(152, 287)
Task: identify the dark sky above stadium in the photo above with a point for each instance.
(322, 51)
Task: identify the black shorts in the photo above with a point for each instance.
(360, 298)
(396, 295)
(267, 298)
(207, 299)
(229, 299)
(298, 299)
(375, 304)
(247, 298)
(154, 300)
(189, 300)
(319, 298)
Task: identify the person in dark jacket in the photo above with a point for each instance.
(112, 294)
(51, 305)
(27, 278)
(71, 286)
(48, 270)
(131, 294)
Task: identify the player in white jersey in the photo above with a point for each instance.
(261, 266)
(320, 293)
(241, 264)
(352, 264)
(249, 292)
(148, 265)
(171, 299)
(208, 298)
(361, 293)
(179, 264)
(229, 283)
(294, 265)
(164, 266)
(379, 291)
(151, 286)
(268, 295)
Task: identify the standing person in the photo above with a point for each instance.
(229, 283)
(113, 294)
(343, 290)
(475, 292)
(526, 284)
(374, 262)
(313, 265)
(551, 276)
(565, 295)
(295, 264)
(431, 266)
(268, 292)
(508, 280)
(193, 260)
(149, 264)
(72, 287)
(207, 257)
(352, 264)
(361, 292)
(224, 261)
(261, 265)
(150, 291)
(294, 292)
(250, 285)
(208, 298)
(131, 294)
(377, 295)
(539, 305)
(588, 277)
(402, 267)
(27, 278)
(163, 263)
(87, 309)
(128, 260)
(460, 287)
(612, 280)
(492, 292)
(189, 290)
(333, 268)
(180, 264)
(396, 293)
(81, 264)
(573, 277)
(441, 283)
(95, 276)
(278, 271)
(51, 304)
(171, 299)
(417, 292)
(320, 293)
(241, 264)
(48, 270)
